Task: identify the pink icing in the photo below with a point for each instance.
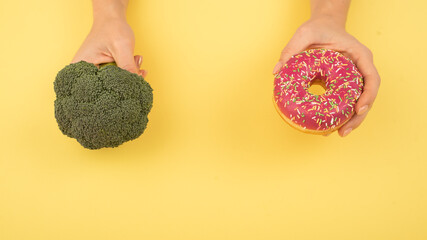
(343, 82)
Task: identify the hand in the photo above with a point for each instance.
(111, 41)
(325, 32)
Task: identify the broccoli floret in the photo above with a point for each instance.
(102, 107)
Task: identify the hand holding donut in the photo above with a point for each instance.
(326, 29)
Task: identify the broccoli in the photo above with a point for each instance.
(102, 107)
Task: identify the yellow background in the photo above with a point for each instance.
(217, 161)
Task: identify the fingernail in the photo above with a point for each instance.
(139, 61)
(362, 110)
(346, 132)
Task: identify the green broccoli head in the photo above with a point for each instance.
(102, 107)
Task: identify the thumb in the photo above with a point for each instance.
(297, 44)
(126, 60)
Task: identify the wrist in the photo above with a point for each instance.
(333, 10)
(328, 19)
(109, 10)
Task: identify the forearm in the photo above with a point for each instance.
(335, 9)
(109, 9)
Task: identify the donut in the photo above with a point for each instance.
(317, 114)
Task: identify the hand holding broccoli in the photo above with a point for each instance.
(111, 39)
(102, 99)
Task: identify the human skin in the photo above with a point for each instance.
(326, 29)
(110, 39)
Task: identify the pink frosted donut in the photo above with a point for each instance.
(318, 114)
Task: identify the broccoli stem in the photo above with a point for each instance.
(102, 65)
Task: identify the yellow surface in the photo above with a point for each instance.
(217, 161)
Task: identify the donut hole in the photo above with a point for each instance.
(317, 87)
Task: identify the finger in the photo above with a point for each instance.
(365, 64)
(370, 91)
(138, 60)
(125, 59)
(298, 43)
(93, 58)
(352, 124)
(277, 68)
(143, 73)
